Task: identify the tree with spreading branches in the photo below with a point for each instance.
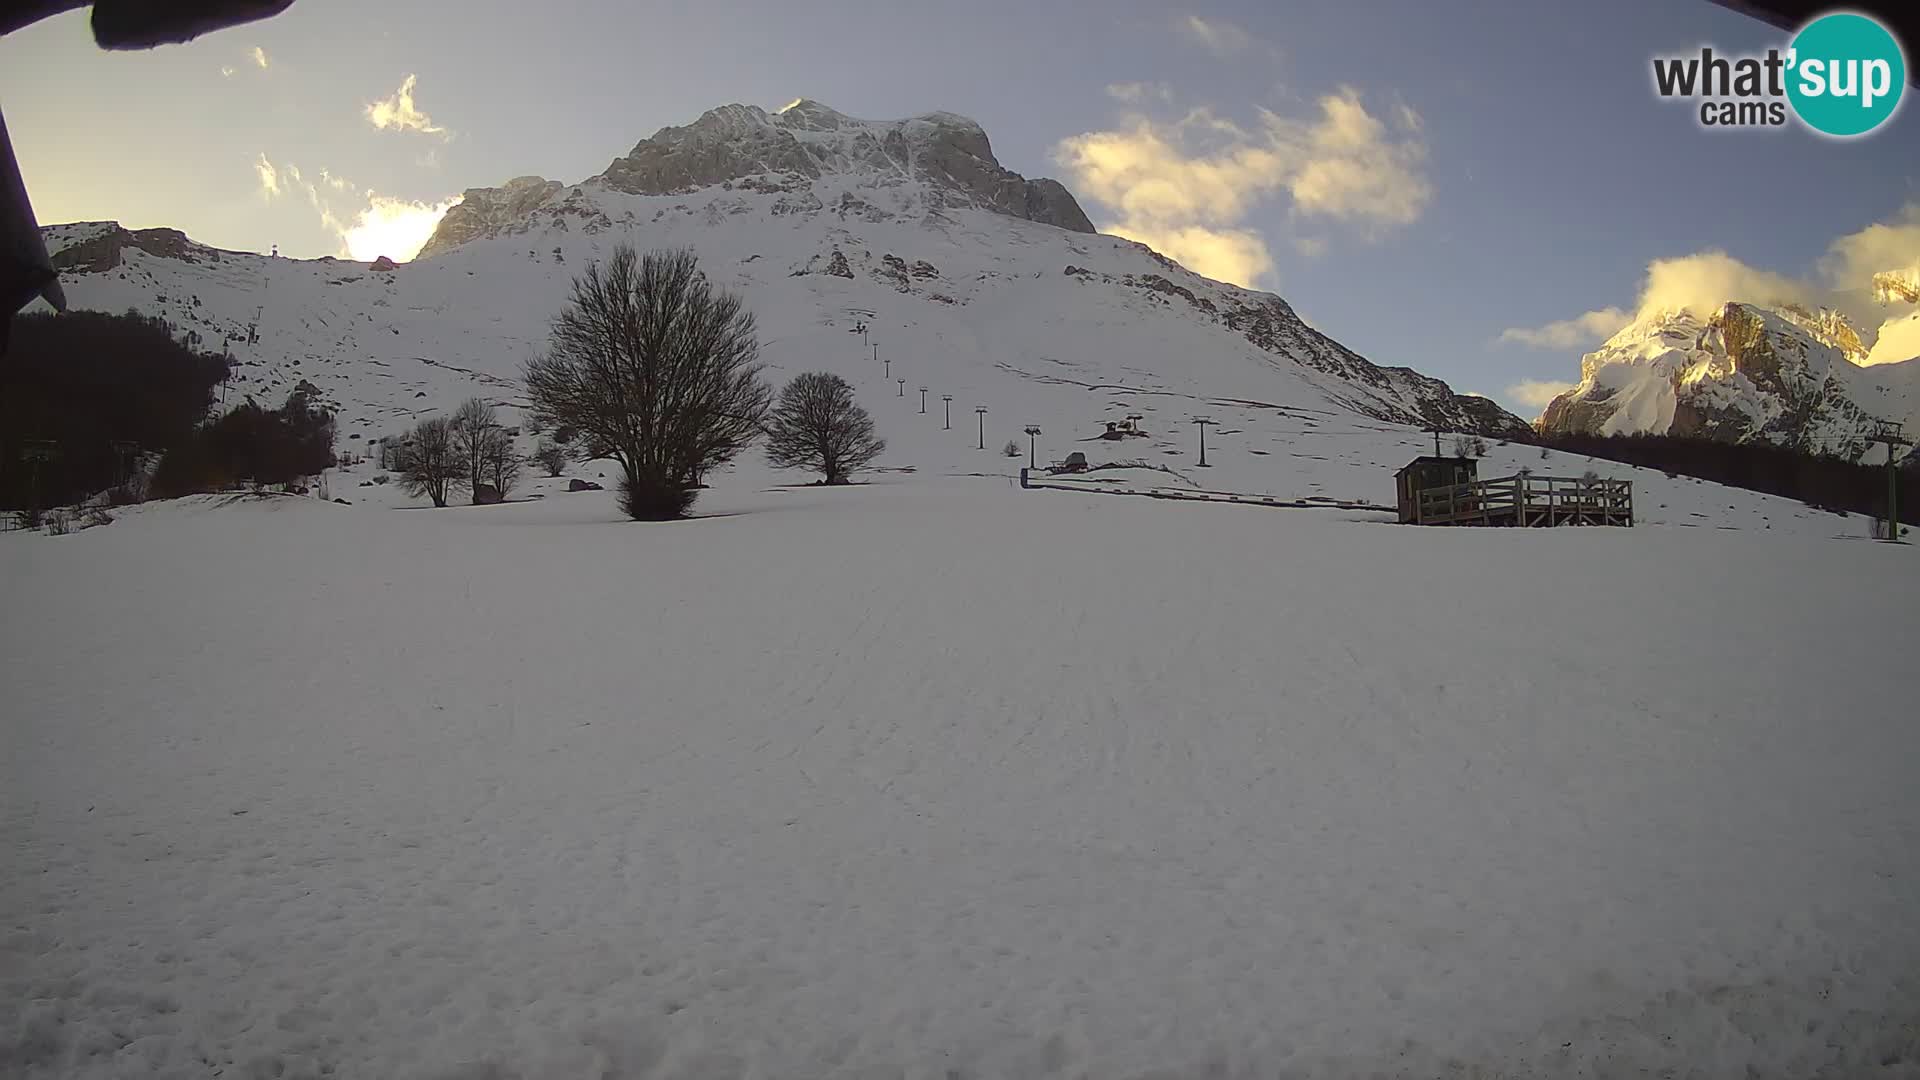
(474, 427)
(655, 369)
(499, 465)
(818, 426)
(429, 461)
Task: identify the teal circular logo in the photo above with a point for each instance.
(1845, 74)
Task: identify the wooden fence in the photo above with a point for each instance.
(1529, 501)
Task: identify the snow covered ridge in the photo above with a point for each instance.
(926, 163)
(1037, 323)
(1782, 374)
(975, 281)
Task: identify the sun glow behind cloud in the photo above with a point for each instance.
(396, 228)
(372, 225)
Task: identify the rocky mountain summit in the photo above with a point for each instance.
(821, 159)
(1782, 374)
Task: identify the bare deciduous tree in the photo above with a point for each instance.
(429, 463)
(499, 465)
(473, 426)
(1469, 446)
(551, 456)
(818, 426)
(654, 368)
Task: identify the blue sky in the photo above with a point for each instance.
(1436, 185)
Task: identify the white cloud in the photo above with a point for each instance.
(1589, 329)
(1310, 246)
(1702, 282)
(1218, 35)
(1355, 171)
(1842, 279)
(1236, 255)
(398, 112)
(259, 56)
(1133, 93)
(1188, 185)
(1537, 393)
(1891, 247)
(269, 176)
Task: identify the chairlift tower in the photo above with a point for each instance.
(1201, 422)
(1890, 433)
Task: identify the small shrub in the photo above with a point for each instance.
(96, 515)
(551, 456)
(59, 522)
(1012, 449)
(1469, 446)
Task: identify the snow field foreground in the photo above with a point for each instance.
(939, 778)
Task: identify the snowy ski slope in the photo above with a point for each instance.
(937, 778)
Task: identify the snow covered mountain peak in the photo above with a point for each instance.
(1893, 286)
(812, 155)
(949, 271)
(1784, 374)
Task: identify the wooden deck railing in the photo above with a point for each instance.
(1529, 501)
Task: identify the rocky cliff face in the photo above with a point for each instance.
(1746, 372)
(821, 159)
(105, 243)
(807, 140)
(490, 212)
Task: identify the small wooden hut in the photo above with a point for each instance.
(1426, 472)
